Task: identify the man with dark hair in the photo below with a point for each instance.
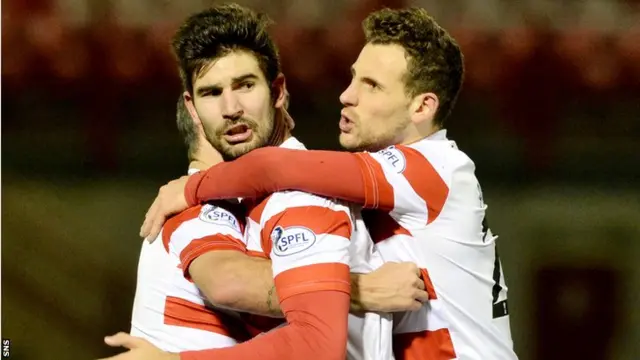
(238, 32)
(429, 207)
(225, 61)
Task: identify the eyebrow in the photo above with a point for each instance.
(366, 78)
(243, 78)
(204, 89)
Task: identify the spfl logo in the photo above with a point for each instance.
(291, 240)
(395, 158)
(217, 215)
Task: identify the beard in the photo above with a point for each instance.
(374, 139)
(260, 135)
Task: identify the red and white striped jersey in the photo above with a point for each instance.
(438, 222)
(169, 310)
(307, 236)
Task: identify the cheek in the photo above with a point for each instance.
(212, 124)
(255, 103)
(208, 110)
(258, 108)
(375, 119)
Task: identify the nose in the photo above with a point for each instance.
(231, 108)
(349, 96)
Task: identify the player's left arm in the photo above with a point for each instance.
(372, 179)
(268, 170)
(309, 248)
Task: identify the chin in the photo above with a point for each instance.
(232, 152)
(350, 142)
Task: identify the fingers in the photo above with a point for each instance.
(412, 267)
(148, 219)
(156, 228)
(418, 283)
(123, 339)
(421, 296)
(416, 270)
(288, 119)
(415, 306)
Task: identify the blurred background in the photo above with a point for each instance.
(550, 113)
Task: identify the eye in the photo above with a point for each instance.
(371, 84)
(212, 92)
(247, 85)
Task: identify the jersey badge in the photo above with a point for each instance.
(219, 216)
(291, 240)
(395, 158)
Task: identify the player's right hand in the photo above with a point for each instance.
(395, 287)
(138, 349)
(170, 200)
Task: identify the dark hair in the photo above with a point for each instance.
(187, 128)
(216, 32)
(435, 62)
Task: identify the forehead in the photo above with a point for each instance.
(383, 62)
(224, 69)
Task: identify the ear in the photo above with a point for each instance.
(279, 87)
(188, 102)
(423, 108)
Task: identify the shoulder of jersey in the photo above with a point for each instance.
(217, 215)
(189, 214)
(294, 198)
(441, 154)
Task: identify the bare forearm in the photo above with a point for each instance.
(253, 289)
(238, 282)
(257, 294)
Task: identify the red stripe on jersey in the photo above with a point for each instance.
(184, 313)
(318, 219)
(425, 181)
(378, 191)
(311, 278)
(255, 209)
(381, 225)
(428, 284)
(424, 345)
(174, 223)
(200, 246)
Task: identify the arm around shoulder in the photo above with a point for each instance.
(237, 281)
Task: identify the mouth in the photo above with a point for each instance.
(237, 134)
(346, 125)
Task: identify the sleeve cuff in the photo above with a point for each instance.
(191, 190)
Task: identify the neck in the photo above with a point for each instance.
(280, 133)
(205, 156)
(199, 164)
(419, 135)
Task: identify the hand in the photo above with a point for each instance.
(393, 287)
(170, 200)
(139, 349)
(288, 119)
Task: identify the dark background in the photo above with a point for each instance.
(550, 113)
